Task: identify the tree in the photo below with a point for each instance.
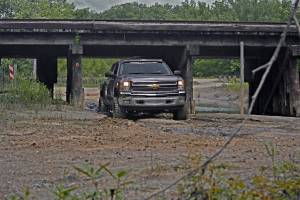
(33, 9)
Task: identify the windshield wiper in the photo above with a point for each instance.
(136, 73)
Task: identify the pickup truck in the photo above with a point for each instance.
(136, 86)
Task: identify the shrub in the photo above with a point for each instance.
(283, 183)
(91, 174)
(26, 93)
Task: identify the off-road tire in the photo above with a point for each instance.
(117, 112)
(181, 114)
(101, 106)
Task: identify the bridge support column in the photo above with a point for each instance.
(76, 73)
(187, 71)
(2, 73)
(69, 77)
(280, 94)
(47, 72)
(293, 87)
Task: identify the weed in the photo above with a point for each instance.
(215, 184)
(25, 93)
(24, 196)
(93, 174)
(234, 85)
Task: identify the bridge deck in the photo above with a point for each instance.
(132, 26)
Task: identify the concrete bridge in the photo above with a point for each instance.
(175, 42)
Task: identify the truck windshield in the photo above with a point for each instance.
(145, 68)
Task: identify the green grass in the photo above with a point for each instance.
(234, 85)
(25, 93)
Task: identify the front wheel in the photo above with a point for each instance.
(101, 106)
(117, 112)
(181, 114)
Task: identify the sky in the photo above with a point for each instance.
(106, 4)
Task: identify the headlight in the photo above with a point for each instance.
(180, 85)
(124, 85)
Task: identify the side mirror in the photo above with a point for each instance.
(177, 72)
(109, 74)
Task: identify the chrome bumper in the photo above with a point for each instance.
(165, 101)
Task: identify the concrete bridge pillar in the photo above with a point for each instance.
(47, 71)
(74, 89)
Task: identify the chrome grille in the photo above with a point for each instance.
(154, 87)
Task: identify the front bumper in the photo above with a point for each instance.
(152, 101)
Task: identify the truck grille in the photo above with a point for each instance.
(154, 87)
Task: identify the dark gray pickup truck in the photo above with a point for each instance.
(143, 86)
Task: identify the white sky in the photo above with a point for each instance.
(105, 4)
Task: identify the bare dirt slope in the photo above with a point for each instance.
(39, 151)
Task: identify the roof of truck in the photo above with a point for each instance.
(140, 60)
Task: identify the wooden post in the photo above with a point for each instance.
(242, 77)
(185, 65)
(2, 73)
(294, 88)
(69, 83)
(77, 51)
(189, 84)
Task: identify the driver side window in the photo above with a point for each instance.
(116, 69)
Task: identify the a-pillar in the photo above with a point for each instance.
(47, 71)
(77, 91)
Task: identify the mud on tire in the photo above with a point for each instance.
(102, 107)
(182, 113)
(117, 112)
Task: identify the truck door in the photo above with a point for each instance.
(111, 82)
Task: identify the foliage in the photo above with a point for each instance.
(280, 181)
(215, 67)
(24, 196)
(217, 184)
(234, 85)
(24, 66)
(91, 67)
(36, 9)
(93, 71)
(92, 174)
(219, 10)
(27, 93)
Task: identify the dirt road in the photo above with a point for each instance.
(39, 151)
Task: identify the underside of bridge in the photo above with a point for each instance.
(178, 43)
(279, 96)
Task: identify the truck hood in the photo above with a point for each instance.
(150, 78)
